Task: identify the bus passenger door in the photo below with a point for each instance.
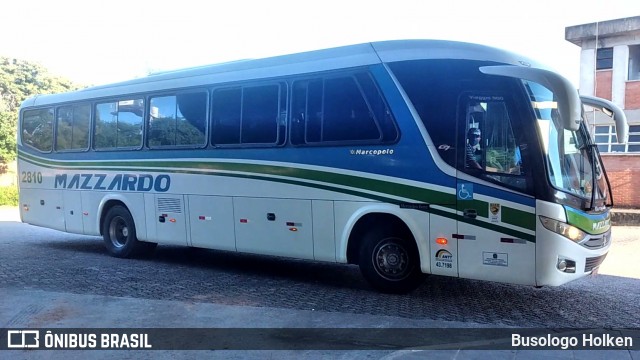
(491, 193)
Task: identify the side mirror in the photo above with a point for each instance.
(613, 111)
(568, 101)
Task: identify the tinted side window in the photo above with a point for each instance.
(225, 113)
(433, 87)
(260, 111)
(178, 120)
(346, 114)
(37, 129)
(119, 124)
(340, 109)
(72, 127)
(249, 115)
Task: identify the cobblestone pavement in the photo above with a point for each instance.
(33, 258)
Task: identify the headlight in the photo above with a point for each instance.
(570, 232)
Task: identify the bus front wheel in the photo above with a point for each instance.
(119, 234)
(390, 262)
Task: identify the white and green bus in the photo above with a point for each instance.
(404, 157)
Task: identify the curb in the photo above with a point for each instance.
(625, 218)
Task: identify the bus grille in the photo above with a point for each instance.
(598, 242)
(172, 205)
(593, 262)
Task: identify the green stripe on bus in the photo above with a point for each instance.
(519, 218)
(592, 224)
(257, 171)
(386, 187)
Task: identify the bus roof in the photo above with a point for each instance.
(293, 64)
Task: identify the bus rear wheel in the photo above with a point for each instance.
(119, 234)
(390, 262)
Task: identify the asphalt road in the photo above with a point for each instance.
(37, 259)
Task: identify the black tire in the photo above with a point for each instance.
(389, 261)
(119, 234)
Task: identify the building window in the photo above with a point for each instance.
(604, 59)
(634, 62)
(607, 141)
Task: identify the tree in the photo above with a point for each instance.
(20, 80)
(8, 126)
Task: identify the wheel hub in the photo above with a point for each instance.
(118, 232)
(391, 260)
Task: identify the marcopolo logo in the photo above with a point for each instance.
(120, 182)
(374, 152)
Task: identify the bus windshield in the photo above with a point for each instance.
(573, 163)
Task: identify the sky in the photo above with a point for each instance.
(97, 42)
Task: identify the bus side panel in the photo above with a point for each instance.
(42, 207)
(90, 204)
(486, 254)
(324, 241)
(73, 218)
(170, 219)
(150, 218)
(211, 222)
(281, 227)
(444, 257)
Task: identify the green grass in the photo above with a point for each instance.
(9, 195)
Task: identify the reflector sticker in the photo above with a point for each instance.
(463, 237)
(513, 241)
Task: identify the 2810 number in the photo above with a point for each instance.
(31, 177)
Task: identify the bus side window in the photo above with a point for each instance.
(502, 150)
(492, 149)
(37, 129)
(72, 127)
(118, 124)
(225, 113)
(346, 114)
(314, 114)
(298, 111)
(342, 109)
(260, 112)
(191, 118)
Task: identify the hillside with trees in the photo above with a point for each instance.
(19, 80)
